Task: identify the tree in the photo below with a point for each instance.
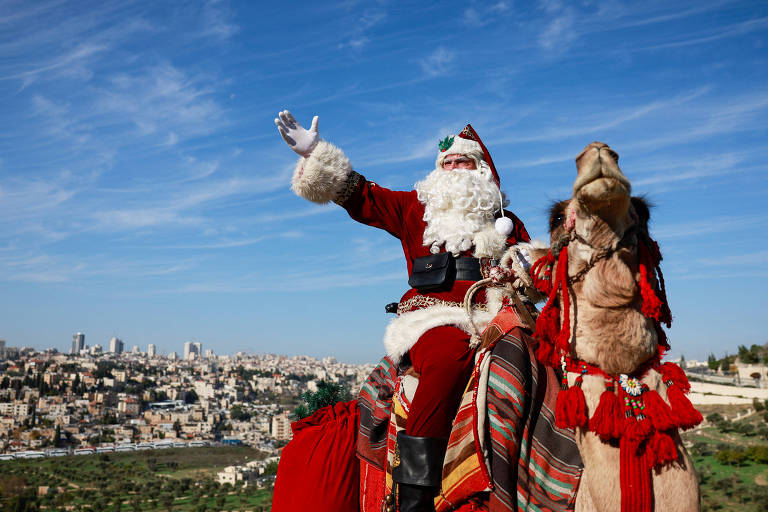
(57, 437)
(238, 414)
(712, 362)
(328, 393)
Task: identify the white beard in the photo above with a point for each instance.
(459, 209)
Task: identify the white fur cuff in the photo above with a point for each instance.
(322, 175)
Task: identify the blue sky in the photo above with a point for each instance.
(144, 188)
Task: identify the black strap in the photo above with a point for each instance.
(468, 269)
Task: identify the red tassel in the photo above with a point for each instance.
(666, 314)
(607, 420)
(571, 408)
(547, 324)
(563, 341)
(662, 449)
(543, 284)
(652, 305)
(545, 354)
(658, 411)
(685, 414)
(671, 371)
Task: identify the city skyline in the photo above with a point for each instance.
(144, 190)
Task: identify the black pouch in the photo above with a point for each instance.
(433, 273)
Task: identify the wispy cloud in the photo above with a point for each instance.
(730, 224)
(438, 62)
(736, 29)
(480, 14)
(753, 258)
(217, 20)
(162, 99)
(359, 35)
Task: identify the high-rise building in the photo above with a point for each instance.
(151, 350)
(172, 356)
(78, 343)
(192, 350)
(135, 350)
(116, 345)
(2, 349)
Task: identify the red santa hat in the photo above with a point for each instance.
(467, 143)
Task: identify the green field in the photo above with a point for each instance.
(732, 466)
(181, 479)
(731, 459)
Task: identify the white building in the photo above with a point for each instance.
(281, 427)
(116, 346)
(151, 350)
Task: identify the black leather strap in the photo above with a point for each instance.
(468, 269)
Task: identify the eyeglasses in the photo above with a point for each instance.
(461, 162)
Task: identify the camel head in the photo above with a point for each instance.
(598, 272)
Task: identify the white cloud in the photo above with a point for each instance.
(559, 32)
(162, 98)
(217, 20)
(438, 62)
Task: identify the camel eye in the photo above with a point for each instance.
(557, 219)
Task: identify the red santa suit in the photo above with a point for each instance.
(432, 328)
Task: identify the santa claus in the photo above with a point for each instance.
(452, 227)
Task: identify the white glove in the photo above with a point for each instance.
(300, 140)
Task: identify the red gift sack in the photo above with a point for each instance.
(319, 469)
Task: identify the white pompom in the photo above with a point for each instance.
(504, 226)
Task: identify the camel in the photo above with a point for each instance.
(601, 324)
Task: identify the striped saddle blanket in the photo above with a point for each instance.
(504, 452)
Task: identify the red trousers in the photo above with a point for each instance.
(444, 362)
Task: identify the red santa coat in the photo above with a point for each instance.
(327, 175)
(401, 214)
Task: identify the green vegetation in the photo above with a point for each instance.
(328, 393)
(731, 459)
(160, 480)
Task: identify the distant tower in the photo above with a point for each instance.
(78, 343)
(135, 350)
(187, 349)
(198, 348)
(116, 346)
(2, 349)
(151, 350)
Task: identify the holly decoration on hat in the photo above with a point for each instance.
(445, 143)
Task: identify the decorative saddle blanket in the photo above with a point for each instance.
(505, 452)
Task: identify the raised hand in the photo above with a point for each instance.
(301, 140)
